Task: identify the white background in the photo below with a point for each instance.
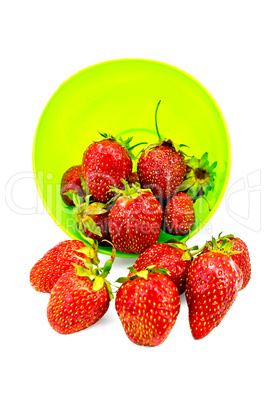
(221, 43)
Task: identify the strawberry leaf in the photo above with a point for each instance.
(186, 256)
(186, 184)
(223, 243)
(88, 265)
(81, 271)
(132, 269)
(92, 226)
(143, 274)
(87, 251)
(69, 194)
(77, 199)
(177, 244)
(213, 166)
(97, 211)
(204, 160)
(163, 271)
(98, 283)
(106, 268)
(193, 162)
(84, 185)
(193, 190)
(228, 246)
(109, 288)
(123, 279)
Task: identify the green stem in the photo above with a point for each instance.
(134, 146)
(199, 250)
(193, 248)
(156, 125)
(209, 205)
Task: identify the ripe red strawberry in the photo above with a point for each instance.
(174, 256)
(46, 272)
(213, 282)
(134, 220)
(79, 298)
(71, 183)
(179, 215)
(161, 167)
(104, 164)
(147, 304)
(241, 258)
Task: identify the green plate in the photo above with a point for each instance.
(120, 97)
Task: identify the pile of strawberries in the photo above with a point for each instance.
(147, 301)
(111, 202)
(126, 210)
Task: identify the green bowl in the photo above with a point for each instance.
(120, 97)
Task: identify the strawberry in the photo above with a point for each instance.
(95, 222)
(105, 163)
(241, 258)
(91, 218)
(161, 166)
(135, 219)
(173, 255)
(213, 282)
(147, 304)
(46, 272)
(71, 183)
(162, 169)
(179, 215)
(79, 298)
